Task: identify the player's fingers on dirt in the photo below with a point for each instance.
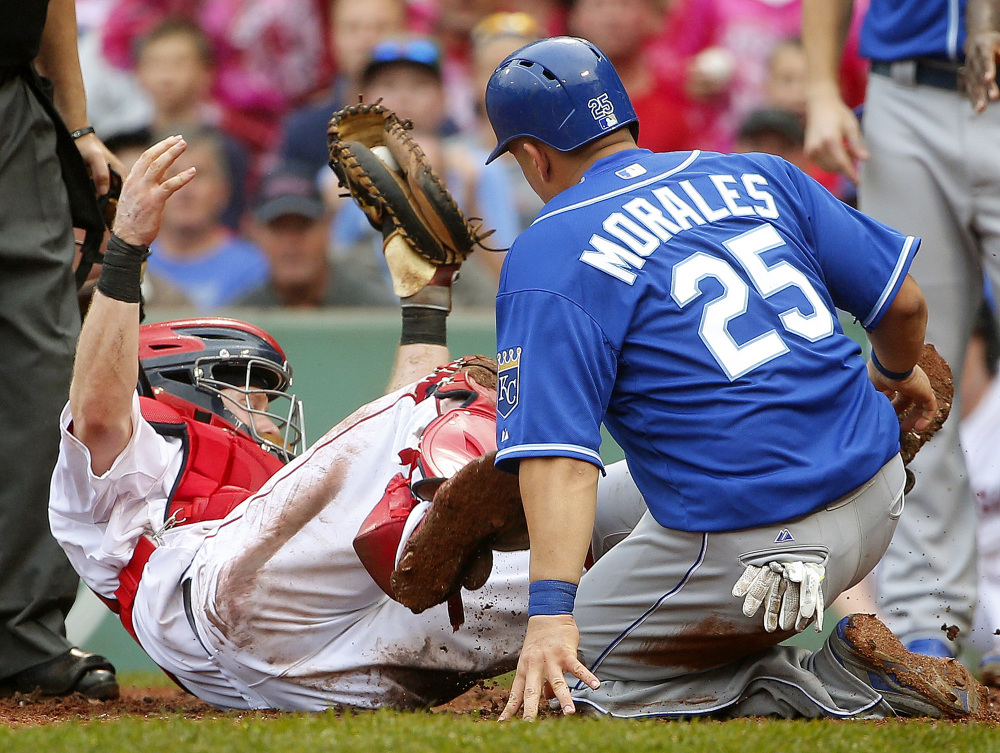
(559, 689)
(515, 699)
(532, 691)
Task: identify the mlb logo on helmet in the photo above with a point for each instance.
(603, 111)
(508, 376)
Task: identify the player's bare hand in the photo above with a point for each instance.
(980, 72)
(913, 398)
(146, 190)
(98, 157)
(549, 653)
(833, 134)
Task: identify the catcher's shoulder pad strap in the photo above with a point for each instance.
(378, 538)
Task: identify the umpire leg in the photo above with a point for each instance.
(39, 322)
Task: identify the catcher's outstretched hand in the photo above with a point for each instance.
(146, 189)
(549, 653)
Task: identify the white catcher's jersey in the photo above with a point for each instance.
(281, 612)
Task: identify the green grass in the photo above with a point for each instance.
(381, 731)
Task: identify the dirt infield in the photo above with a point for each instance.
(485, 700)
(20, 710)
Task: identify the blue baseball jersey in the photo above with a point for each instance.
(902, 29)
(687, 300)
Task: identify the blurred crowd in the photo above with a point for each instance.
(251, 84)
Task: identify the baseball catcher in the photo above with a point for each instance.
(187, 501)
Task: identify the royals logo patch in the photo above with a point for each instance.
(508, 377)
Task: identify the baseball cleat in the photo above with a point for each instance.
(930, 647)
(911, 684)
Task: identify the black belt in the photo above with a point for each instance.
(942, 74)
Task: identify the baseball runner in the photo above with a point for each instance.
(929, 164)
(229, 558)
(687, 300)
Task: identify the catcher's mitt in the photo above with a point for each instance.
(474, 512)
(389, 177)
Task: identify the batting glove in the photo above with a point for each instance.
(792, 593)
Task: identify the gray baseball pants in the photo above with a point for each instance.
(935, 172)
(660, 628)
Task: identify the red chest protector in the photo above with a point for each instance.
(221, 468)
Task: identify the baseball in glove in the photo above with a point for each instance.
(476, 511)
(387, 174)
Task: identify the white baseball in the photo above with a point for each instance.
(383, 153)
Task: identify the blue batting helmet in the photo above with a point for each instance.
(562, 91)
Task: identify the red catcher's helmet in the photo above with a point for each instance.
(189, 362)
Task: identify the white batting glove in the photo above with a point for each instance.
(808, 589)
(791, 592)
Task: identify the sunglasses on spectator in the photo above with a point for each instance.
(421, 51)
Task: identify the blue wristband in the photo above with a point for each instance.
(897, 375)
(551, 597)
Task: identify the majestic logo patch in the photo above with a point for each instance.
(632, 171)
(508, 377)
(784, 535)
(603, 111)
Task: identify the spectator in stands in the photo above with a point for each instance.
(175, 66)
(291, 224)
(270, 55)
(355, 27)
(785, 77)
(785, 89)
(727, 45)
(452, 26)
(195, 252)
(622, 29)
(773, 131)
(493, 39)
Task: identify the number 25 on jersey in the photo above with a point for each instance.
(736, 359)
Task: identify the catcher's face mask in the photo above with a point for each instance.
(247, 390)
(228, 369)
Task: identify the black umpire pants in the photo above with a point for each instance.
(39, 323)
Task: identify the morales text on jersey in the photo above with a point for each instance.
(643, 223)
